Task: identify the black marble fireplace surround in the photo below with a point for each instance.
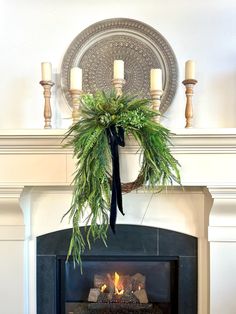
(137, 245)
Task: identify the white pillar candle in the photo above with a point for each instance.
(190, 70)
(118, 69)
(46, 68)
(156, 79)
(76, 78)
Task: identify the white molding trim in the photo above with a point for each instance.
(223, 192)
(222, 220)
(189, 141)
(196, 141)
(200, 141)
(33, 141)
(11, 191)
(12, 232)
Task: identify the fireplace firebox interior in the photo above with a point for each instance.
(159, 284)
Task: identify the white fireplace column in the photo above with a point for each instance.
(12, 234)
(222, 238)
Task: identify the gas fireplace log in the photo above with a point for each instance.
(127, 284)
(104, 279)
(94, 294)
(110, 283)
(141, 295)
(138, 281)
(99, 280)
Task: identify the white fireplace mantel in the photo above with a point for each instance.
(36, 159)
(183, 139)
(42, 152)
(206, 156)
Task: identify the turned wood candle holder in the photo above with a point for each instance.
(75, 95)
(189, 85)
(118, 85)
(156, 101)
(47, 85)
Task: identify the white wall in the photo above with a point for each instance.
(11, 277)
(35, 31)
(222, 276)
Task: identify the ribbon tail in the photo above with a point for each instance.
(116, 167)
(113, 210)
(119, 202)
(115, 139)
(121, 136)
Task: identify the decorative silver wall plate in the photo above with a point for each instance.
(139, 45)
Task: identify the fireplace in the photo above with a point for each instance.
(147, 285)
(167, 260)
(203, 208)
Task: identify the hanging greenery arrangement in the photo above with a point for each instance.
(105, 121)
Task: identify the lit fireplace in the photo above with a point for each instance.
(143, 270)
(118, 289)
(118, 285)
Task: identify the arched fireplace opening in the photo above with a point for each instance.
(143, 270)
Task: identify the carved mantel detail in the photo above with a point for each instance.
(222, 220)
(12, 221)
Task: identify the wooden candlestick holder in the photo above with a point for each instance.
(118, 84)
(75, 95)
(156, 101)
(47, 85)
(189, 85)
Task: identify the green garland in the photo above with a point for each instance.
(92, 152)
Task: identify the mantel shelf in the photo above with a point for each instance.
(37, 157)
(192, 140)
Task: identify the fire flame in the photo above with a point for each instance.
(117, 285)
(119, 289)
(103, 287)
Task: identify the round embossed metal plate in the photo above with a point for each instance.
(139, 45)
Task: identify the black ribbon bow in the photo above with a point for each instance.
(115, 137)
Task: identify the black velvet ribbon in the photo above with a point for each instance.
(115, 137)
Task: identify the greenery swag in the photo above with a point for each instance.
(104, 117)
